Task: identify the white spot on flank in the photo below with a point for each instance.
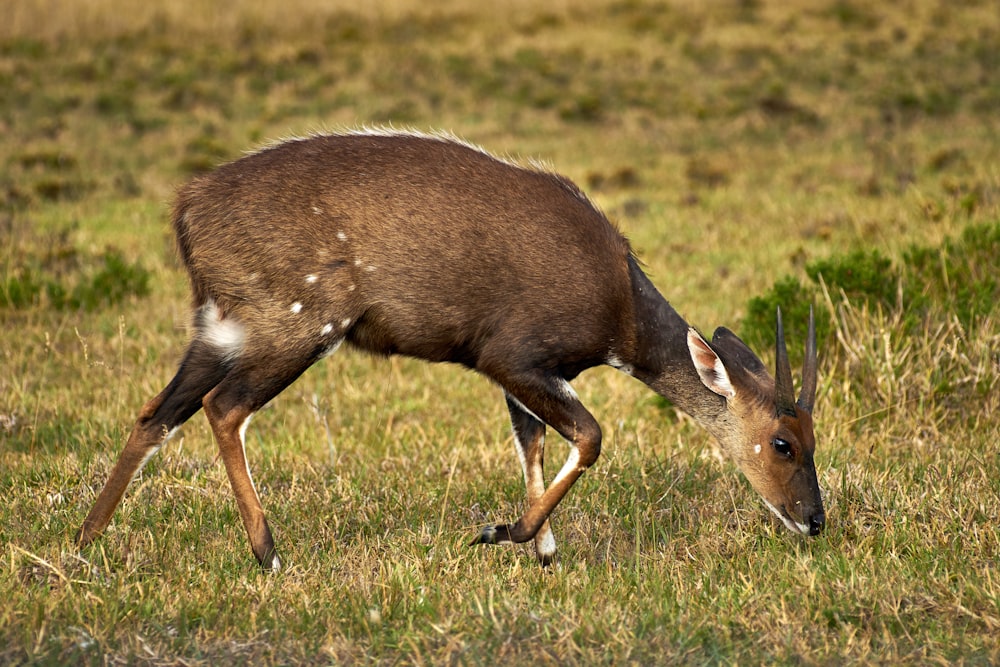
(351, 287)
(344, 323)
(369, 268)
(296, 307)
(357, 262)
(756, 449)
(227, 335)
(317, 210)
(327, 328)
(341, 236)
(311, 278)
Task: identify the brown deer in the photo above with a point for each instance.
(422, 245)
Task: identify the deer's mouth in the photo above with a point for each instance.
(791, 523)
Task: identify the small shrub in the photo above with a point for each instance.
(114, 282)
(861, 275)
(587, 107)
(958, 277)
(794, 299)
(21, 289)
(706, 172)
(961, 274)
(58, 188)
(48, 159)
(46, 281)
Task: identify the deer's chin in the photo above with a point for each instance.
(790, 523)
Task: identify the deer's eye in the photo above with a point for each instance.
(782, 447)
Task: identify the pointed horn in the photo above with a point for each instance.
(807, 396)
(784, 393)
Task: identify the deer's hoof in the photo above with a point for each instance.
(492, 535)
(270, 563)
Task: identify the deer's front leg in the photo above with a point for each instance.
(529, 440)
(551, 400)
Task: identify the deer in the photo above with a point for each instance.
(424, 245)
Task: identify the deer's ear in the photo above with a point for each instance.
(737, 353)
(710, 368)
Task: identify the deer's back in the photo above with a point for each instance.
(426, 246)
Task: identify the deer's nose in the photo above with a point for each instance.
(816, 523)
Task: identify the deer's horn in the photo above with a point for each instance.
(784, 393)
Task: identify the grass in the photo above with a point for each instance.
(735, 143)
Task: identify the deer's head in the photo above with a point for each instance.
(768, 433)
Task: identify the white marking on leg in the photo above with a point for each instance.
(227, 335)
(534, 480)
(243, 446)
(522, 456)
(153, 450)
(275, 563)
(545, 541)
(145, 458)
(568, 390)
(571, 466)
(523, 407)
(296, 307)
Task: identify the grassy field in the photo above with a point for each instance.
(735, 142)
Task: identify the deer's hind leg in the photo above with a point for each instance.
(202, 367)
(263, 371)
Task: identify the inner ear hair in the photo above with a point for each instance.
(710, 367)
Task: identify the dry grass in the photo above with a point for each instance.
(733, 142)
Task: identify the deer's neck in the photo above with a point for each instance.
(661, 358)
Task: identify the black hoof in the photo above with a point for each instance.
(492, 535)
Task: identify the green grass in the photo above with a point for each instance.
(735, 143)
